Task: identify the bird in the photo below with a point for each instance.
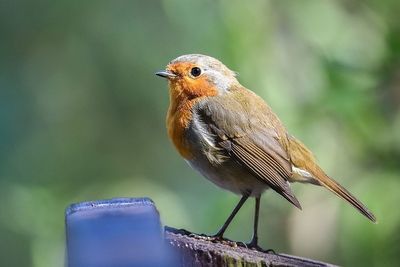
(232, 137)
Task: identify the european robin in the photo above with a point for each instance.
(234, 139)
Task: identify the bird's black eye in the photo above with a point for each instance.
(195, 71)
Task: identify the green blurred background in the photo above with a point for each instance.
(82, 117)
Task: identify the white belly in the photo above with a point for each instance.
(230, 177)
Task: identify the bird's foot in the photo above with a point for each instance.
(254, 246)
(212, 238)
(218, 238)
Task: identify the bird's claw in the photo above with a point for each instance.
(255, 246)
(217, 237)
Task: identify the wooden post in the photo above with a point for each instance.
(195, 251)
(126, 232)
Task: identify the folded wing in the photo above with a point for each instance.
(249, 139)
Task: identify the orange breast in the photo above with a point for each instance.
(184, 94)
(178, 120)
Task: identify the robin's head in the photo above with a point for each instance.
(198, 75)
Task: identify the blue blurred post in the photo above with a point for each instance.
(119, 232)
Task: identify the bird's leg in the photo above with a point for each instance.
(220, 233)
(254, 241)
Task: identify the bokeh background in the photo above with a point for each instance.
(82, 117)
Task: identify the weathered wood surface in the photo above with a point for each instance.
(127, 232)
(195, 251)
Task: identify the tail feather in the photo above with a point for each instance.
(342, 192)
(303, 158)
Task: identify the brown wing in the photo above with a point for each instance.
(242, 130)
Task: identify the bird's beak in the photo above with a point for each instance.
(165, 74)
